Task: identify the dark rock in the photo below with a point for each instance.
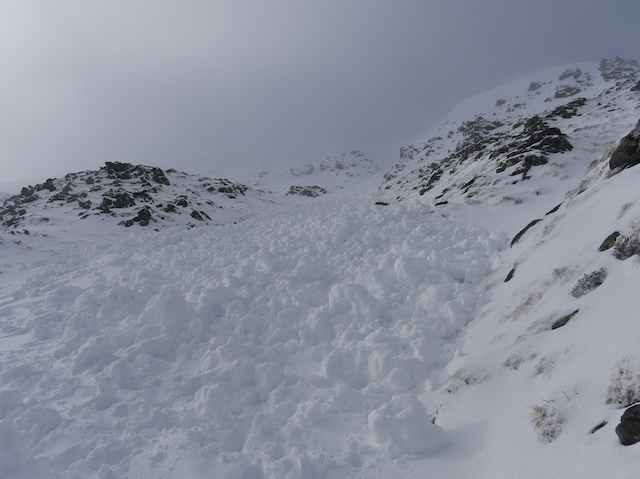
(627, 153)
(310, 191)
(570, 73)
(118, 200)
(618, 69)
(533, 86)
(609, 242)
(517, 237)
(500, 103)
(170, 208)
(47, 185)
(84, 204)
(599, 426)
(196, 215)
(569, 110)
(381, 203)
(636, 87)
(564, 91)
(564, 320)
(142, 218)
(439, 203)
(468, 184)
(629, 428)
(182, 201)
(474, 131)
(159, 177)
(510, 275)
(554, 210)
(625, 247)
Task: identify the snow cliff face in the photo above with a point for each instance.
(475, 316)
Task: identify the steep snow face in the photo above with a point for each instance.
(522, 143)
(293, 344)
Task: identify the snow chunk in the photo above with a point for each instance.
(96, 352)
(355, 299)
(403, 426)
(211, 403)
(167, 309)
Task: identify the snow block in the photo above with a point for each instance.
(403, 427)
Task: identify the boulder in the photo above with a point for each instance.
(629, 428)
(627, 153)
(564, 320)
(610, 241)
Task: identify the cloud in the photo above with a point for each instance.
(193, 84)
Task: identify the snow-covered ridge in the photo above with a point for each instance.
(518, 140)
(128, 194)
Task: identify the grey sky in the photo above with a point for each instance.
(195, 84)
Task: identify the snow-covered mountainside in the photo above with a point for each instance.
(521, 143)
(473, 317)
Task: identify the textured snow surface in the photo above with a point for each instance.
(294, 343)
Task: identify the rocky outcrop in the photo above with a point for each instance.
(521, 233)
(137, 194)
(309, 191)
(564, 320)
(618, 69)
(627, 153)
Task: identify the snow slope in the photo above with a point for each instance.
(357, 333)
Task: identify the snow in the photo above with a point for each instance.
(333, 337)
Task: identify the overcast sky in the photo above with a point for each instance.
(196, 84)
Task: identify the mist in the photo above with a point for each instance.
(202, 86)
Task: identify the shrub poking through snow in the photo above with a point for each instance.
(544, 366)
(626, 246)
(546, 421)
(588, 283)
(458, 379)
(625, 384)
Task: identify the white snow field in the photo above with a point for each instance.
(333, 337)
(290, 345)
